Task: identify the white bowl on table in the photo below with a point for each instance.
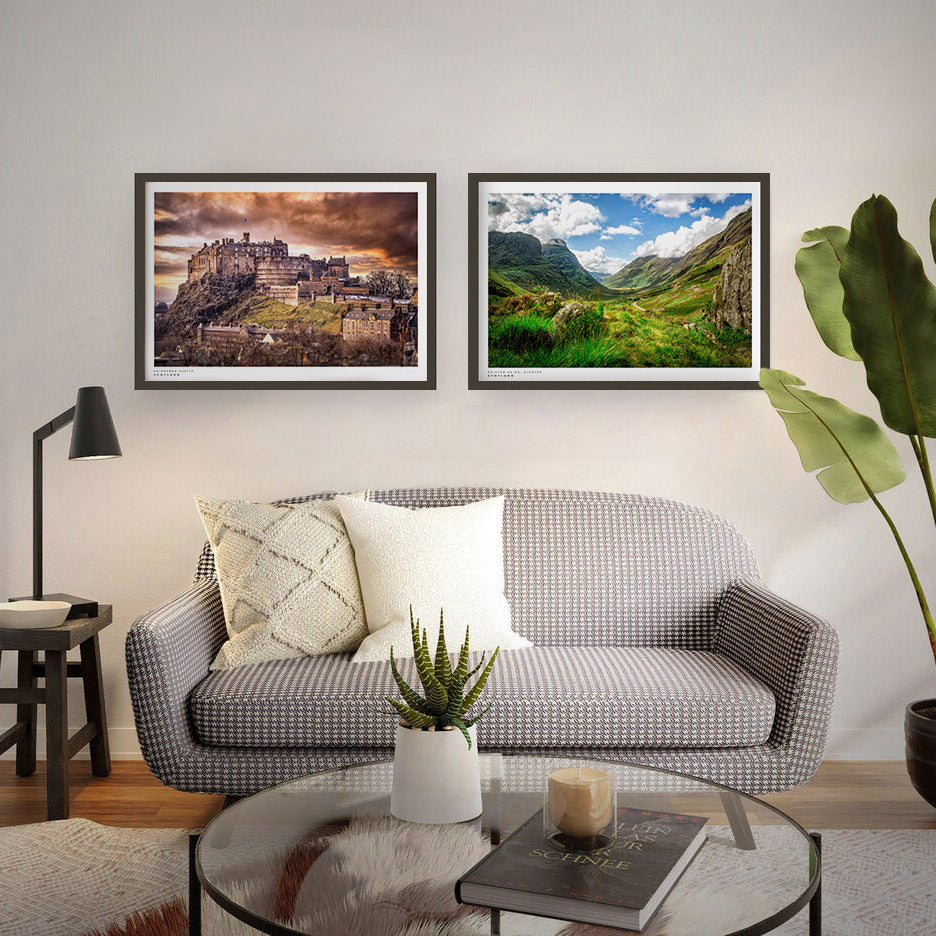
(29, 615)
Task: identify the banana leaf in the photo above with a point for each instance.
(891, 307)
(817, 267)
(842, 445)
(933, 229)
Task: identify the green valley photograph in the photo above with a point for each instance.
(621, 280)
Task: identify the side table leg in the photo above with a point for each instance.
(56, 680)
(194, 888)
(815, 905)
(26, 713)
(94, 705)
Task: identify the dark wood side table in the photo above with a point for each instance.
(54, 643)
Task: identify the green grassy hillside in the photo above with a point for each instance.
(499, 286)
(522, 260)
(618, 334)
(559, 255)
(643, 272)
(647, 272)
(260, 309)
(660, 326)
(222, 300)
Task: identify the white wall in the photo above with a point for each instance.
(833, 99)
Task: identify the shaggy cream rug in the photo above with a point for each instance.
(77, 878)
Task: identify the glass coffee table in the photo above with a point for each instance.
(322, 855)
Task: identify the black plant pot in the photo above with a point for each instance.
(920, 732)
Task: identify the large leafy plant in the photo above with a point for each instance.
(445, 703)
(871, 301)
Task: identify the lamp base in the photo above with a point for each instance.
(80, 607)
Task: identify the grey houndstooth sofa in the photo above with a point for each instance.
(656, 644)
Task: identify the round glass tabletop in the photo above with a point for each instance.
(322, 855)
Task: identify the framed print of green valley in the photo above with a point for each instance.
(613, 281)
(285, 281)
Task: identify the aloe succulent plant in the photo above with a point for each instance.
(445, 703)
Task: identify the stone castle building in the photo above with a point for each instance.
(289, 279)
(226, 335)
(233, 258)
(397, 322)
(357, 324)
(295, 279)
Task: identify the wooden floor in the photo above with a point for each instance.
(130, 796)
(843, 795)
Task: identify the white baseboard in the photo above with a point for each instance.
(844, 744)
(865, 744)
(123, 745)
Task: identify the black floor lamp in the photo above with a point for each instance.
(93, 436)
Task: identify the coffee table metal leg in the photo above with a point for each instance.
(738, 820)
(194, 889)
(494, 803)
(815, 905)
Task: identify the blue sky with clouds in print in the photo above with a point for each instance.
(608, 230)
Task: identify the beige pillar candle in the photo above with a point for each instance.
(579, 800)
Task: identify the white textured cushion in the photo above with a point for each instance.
(288, 581)
(449, 558)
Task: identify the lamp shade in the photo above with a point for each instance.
(93, 433)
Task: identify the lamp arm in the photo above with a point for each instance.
(53, 426)
(42, 433)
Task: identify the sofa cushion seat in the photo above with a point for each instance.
(542, 697)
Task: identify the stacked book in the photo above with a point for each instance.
(621, 883)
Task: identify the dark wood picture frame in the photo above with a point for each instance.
(144, 274)
(477, 361)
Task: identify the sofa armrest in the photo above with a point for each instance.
(169, 651)
(795, 654)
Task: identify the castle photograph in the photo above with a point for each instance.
(281, 280)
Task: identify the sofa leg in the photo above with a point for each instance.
(738, 820)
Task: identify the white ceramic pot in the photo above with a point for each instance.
(436, 776)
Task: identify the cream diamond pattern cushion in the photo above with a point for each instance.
(289, 585)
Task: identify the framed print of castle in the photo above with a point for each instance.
(285, 281)
(614, 281)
